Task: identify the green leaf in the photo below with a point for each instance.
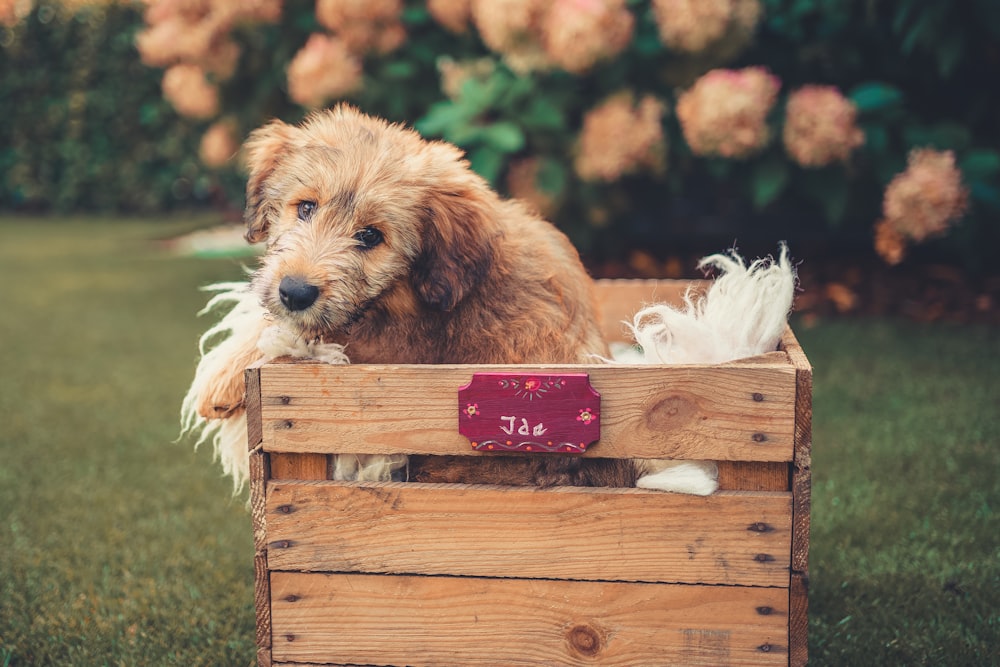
(503, 136)
(439, 118)
(876, 138)
(874, 96)
(980, 163)
(942, 136)
(399, 69)
(552, 177)
(986, 194)
(543, 114)
(486, 162)
(768, 181)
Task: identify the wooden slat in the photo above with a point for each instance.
(299, 466)
(798, 630)
(619, 300)
(261, 578)
(798, 620)
(802, 461)
(560, 533)
(732, 412)
(251, 402)
(752, 476)
(398, 620)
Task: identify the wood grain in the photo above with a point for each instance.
(753, 476)
(619, 300)
(802, 460)
(561, 533)
(732, 412)
(399, 620)
(299, 466)
(798, 630)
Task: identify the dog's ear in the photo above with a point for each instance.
(460, 234)
(262, 152)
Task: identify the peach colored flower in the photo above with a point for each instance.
(452, 14)
(691, 25)
(512, 28)
(725, 112)
(219, 144)
(694, 26)
(576, 34)
(820, 126)
(621, 137)
(189, 92)
(324, 69)
(927, 198)
(364, 25)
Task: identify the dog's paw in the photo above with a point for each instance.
(277, 341)
(698, 478)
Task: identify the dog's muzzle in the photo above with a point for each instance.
(296, 294)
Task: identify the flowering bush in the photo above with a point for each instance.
(820, 126)
(920, 203)
(725, 113)
(624, 120)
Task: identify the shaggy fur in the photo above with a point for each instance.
(455, 275)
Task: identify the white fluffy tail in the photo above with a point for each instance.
(742, 314)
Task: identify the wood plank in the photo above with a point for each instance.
(261, 575)
(732, 412)
(251, 402)
(798, 628)
(560, 533)
(299, 466)
(401, 620)
(753, 476)
(619, 300)
(802, 460)
(798, 620)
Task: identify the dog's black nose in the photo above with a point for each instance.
(296, 293)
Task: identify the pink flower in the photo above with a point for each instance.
(693, 26)
(725, 112)
(621, 137)
(364, 25)
(512, 28)
(820, 126)
(219, 144)
(576, 34)
(324, 69)
(924, 201)
(452, 14)
(190, 93)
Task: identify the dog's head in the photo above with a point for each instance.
(359, 214)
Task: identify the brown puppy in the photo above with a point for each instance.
(392, 246)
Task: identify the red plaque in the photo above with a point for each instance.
(515, 412)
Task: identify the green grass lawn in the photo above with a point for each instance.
(119, 546)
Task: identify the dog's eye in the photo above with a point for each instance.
(369, 237)
(306, 210)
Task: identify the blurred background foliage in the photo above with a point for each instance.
(860, 124)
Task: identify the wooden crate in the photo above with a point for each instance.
(441, 574)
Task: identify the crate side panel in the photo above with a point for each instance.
(730, 412)
(374, 619)
(619, 300)
(593, 534)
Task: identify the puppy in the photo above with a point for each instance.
(390, 245)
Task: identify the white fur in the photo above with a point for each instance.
(742, 314)
(229, 436)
